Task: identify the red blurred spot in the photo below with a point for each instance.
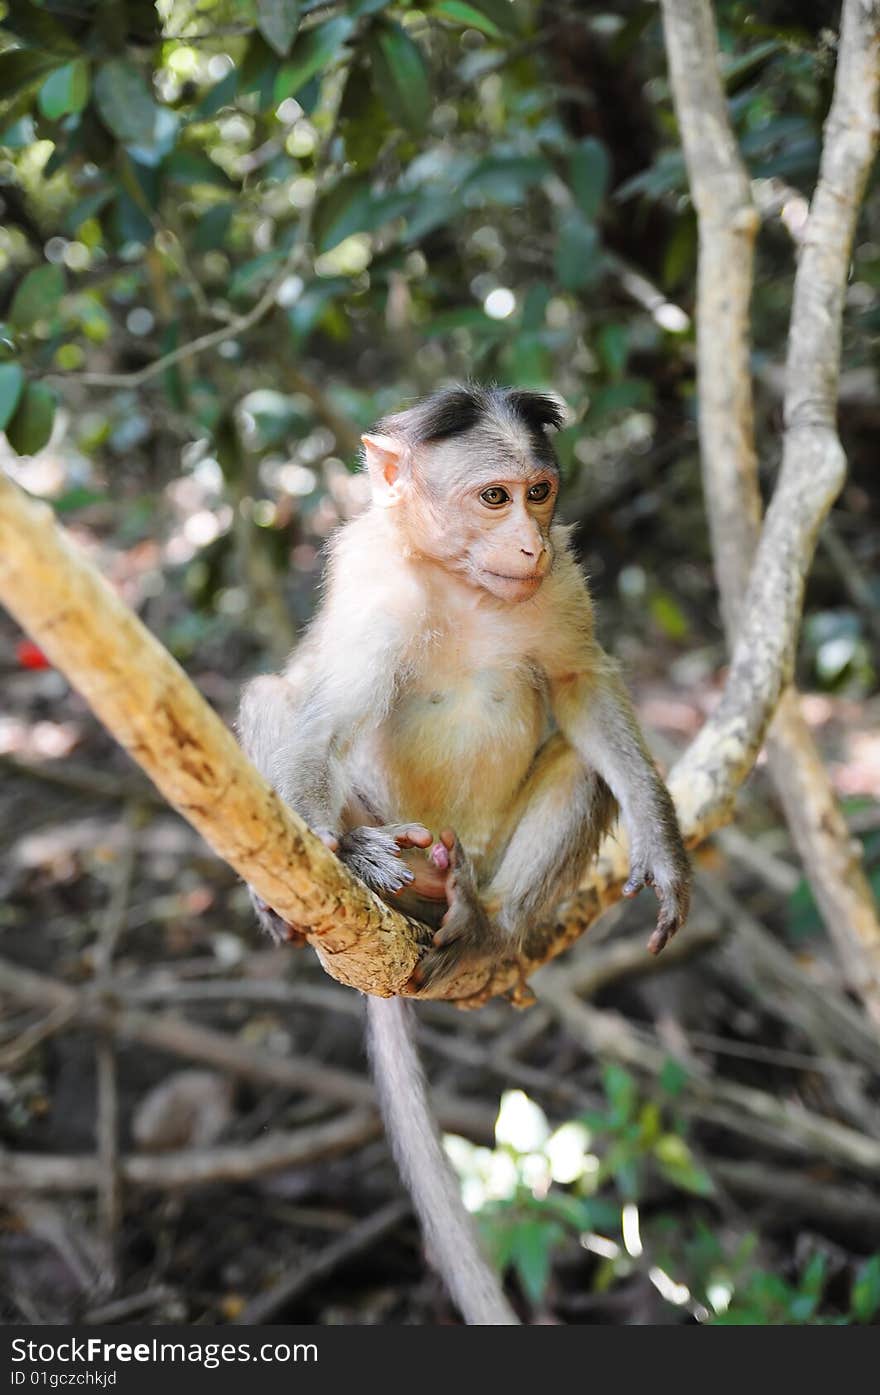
(30, 655)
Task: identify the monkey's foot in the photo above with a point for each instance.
(278, 930)
(375, 854)
(465, 932)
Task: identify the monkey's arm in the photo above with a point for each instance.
(595, 713)
(295, 727)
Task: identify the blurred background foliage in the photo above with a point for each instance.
(233, 235)
(354, 201)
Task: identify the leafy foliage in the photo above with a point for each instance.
(606, 1183)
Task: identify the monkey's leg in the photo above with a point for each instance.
(545, 844)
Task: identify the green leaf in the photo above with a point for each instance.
(624, 396)
(676, 1161)
(576, 258)
(506, 179)
(37, 296)
(400, 76)
(621, 1091)
(21, 132)
(36, 28)
(865, 1297)
(11, 384)
(535, 306)
(613, 346)
(20, 68)
(589, 170)
(278, 21)
(673, 1077)
(492, 17)
(668, 615)
(363, 120)
(213, 227)
(87, 207)
(311, 53)
(124, 102)
(191, 167)
(31, 426)
(221, 95)
(314, 303)
(344, 210)
(531, 1253)
(64, 91)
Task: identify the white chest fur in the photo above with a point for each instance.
(461, 735)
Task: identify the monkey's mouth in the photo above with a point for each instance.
(534, 579)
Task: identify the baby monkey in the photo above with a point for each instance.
(451, 696)
(452, 729)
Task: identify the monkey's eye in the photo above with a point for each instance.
(539, 492)
(495, 496)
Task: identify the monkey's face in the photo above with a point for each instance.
(478, 504)
(507, 533)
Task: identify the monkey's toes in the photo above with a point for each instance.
(436, 967)
(448, 934)
(278, 929)
(439, 855)
(662, 934)
(412, 835)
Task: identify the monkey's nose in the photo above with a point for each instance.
(526, 553)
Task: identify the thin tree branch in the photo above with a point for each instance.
(782, 1123)
(359, 1238)
(192, 1167)
(813, 463)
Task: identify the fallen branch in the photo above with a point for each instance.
(753, 1113)
(191, 1167)
(796, 1194)
(359, 1238)
(181, 1038)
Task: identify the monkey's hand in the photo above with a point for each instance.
(377, 856)
(664, 865)
(465, 931)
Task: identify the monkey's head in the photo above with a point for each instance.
(472, 477)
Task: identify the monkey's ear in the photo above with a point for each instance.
(384, 461)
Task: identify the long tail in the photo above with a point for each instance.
(449, 1231)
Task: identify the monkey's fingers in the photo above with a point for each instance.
(634, 883)
(449, 839)
(411, 835)
(662, 934)
(673, 914)
(328, 839)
